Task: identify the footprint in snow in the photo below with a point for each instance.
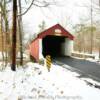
(34, 89)
(61, 92)
(53, 84)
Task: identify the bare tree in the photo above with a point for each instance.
(91, 27)
(13, 67)
(7, 36)
(14, 30)
(2, 32)
(42, 26)
(20, 33)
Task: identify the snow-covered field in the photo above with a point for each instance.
(34, 82)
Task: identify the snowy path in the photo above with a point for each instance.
(36, 83)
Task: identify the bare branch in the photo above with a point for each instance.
(37, 4)
(41, 5)
(27, 9)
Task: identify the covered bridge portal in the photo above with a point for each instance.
(52, 45)
(55, 41)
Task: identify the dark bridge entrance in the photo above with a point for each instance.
(52, 45)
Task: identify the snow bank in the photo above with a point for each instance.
(34, 82)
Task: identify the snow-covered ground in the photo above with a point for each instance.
(34, 82)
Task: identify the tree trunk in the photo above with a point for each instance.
(13, 66)
(20, 33)
(7, 37)
(2, 36)
(91, 46)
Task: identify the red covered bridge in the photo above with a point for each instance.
(55, 41)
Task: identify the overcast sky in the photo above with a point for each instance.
(66, 12)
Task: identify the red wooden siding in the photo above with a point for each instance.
(51, 31)
(34, 49)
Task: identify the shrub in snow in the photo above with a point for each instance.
(32, 59)
(41, 61)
